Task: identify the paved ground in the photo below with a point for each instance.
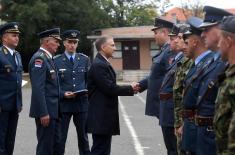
(140, 134)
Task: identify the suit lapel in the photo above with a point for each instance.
(175, 62)
(111, 70)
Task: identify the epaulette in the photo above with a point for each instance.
(83, 55)
(57, 56)
(4, 49)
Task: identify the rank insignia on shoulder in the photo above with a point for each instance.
(38, 63)
(5, 51)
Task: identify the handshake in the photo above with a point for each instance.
(136, 87)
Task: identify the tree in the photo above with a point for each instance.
(130, 12)
(84, 15)
(192, 8)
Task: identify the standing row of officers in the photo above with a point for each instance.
(191, 88)
(59, 90)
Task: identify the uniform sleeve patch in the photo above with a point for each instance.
(38, 63)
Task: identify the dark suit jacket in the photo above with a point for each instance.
(45, 86)
(73, 77)
(103, 117)
(10, 81)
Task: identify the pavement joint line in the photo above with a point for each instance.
(140, 98)
(138, 147)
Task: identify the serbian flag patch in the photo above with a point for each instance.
(38, 63)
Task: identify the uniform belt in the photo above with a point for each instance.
(188, 113)
(165, 96)
(204, 121)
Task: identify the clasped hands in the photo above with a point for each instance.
(136, 87)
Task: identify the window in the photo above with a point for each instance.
(154, 48)
(118, 51)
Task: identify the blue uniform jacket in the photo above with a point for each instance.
(10, 80)
(191, 87)
(45, 86)
(153, 82)
(209, 87)
(190, 95)
(166, 117)
(73, 77)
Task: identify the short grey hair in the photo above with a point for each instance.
(100, 41)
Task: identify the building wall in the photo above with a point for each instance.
(145, 57)
(116, 63)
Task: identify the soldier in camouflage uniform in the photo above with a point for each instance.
(224, 118)
(181, 71)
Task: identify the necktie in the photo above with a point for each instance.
(71, 60)
(15, 58)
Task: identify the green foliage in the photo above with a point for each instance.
(84, 15)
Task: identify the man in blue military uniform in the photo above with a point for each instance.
(45, 93)
(10, 91)
(159, 68)
(166, 113)
(72, 68)
(201, 56)
(208, 87)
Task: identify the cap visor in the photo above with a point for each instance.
(171, 34)
(155, 28)
(72, 39)
(206, 24)
(58, 38)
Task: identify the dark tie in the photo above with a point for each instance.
(14, 58)
(71, 60)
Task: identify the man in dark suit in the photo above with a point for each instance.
(10, 91)
(72, 68)
(103, 117)
(45, 93)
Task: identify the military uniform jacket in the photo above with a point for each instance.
(224, 119)
(10, 80)
(182, 70)
(166, 117)
(103, 116)
(209, 87)
(73, 77)
(45, 86)
(192, 81)
(153, 82)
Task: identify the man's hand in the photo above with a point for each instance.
(45, 120)
(135, 86)
(69, 94)
(179, 131)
